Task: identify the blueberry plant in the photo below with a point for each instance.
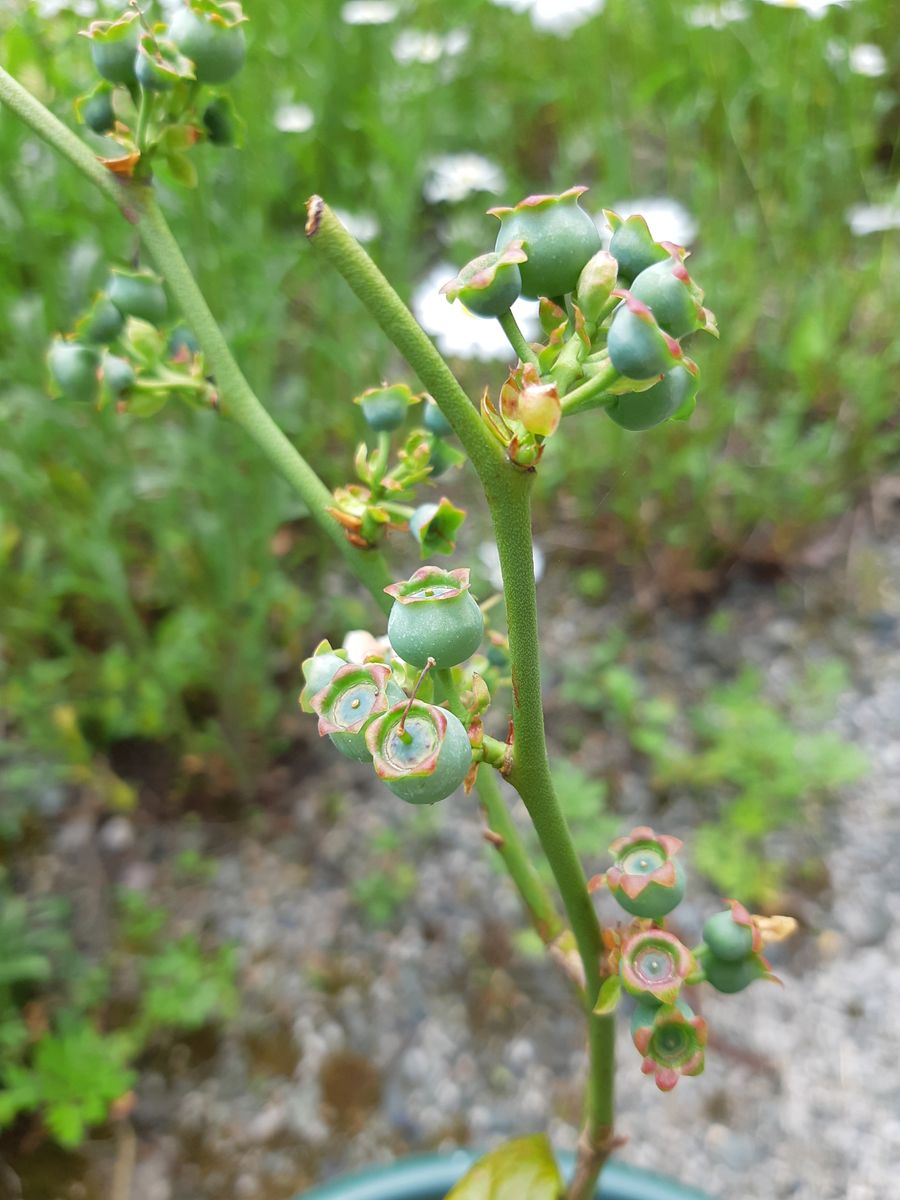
(415, 707)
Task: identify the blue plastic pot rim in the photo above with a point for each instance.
(430, 1177)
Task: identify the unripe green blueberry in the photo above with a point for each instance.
(182, 343)
(642, 410)
(74, 370)
(732, 935)
(114, 46)
(385, 407)
(117, 374)
(434, 615)
(422, 752)
(435, 421)
(158, 64)
(645, 879)
(103, 323)
(646, 1009)
(671, 1040)
(138, 294)
(638, 348)
(97, 111)
(211, 36)
(655, 963)
(490, 284)
(675, 300)
(351, 700)
(730, 976)
(632, 245)
(443, 456)
(218, 121)
(558, 236)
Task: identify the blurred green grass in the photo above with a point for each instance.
(141, 584)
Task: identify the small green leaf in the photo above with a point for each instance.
(524, 1169)
(610, 991)
(183, 170)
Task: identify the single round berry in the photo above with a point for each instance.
(490, 284)
(159, 66)
(385, 408)
(114, 46)
(138, 294)
(434, 615)
(74, 370)
(443, 457)
(637, 411)
(420, 751)
(182, 343)
(218, 121)
(645, 879)
(117, 374)
(350, 701)
(213, 40)
(97, 111)
(668, 290)
(727, 940)
(103, 324)
(655, 963)
(632, 246)
(558, 236)
(730, 976)
(435, 421)
(671, 1040)
(638, 348)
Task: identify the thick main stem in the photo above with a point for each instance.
(531, 777)
(137, 202)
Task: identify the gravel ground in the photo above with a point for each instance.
(356, 1044)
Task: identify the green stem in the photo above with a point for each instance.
(512, 850)
(448, 693)
(342, 250)
(531, 778)
(383, 460)
(592, 394)
(516, 339)
(239, 402)
(145, 112)
(137, 202)
(61, 138)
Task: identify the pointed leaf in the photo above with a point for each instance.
(524, 1169)
(610, 992)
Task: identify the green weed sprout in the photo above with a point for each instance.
(614, 327)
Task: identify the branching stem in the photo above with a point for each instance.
(138, 204)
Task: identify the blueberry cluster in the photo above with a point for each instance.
(619, 316)
(122, 351)
(171, 74)
(649, 962)
(372, 712)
